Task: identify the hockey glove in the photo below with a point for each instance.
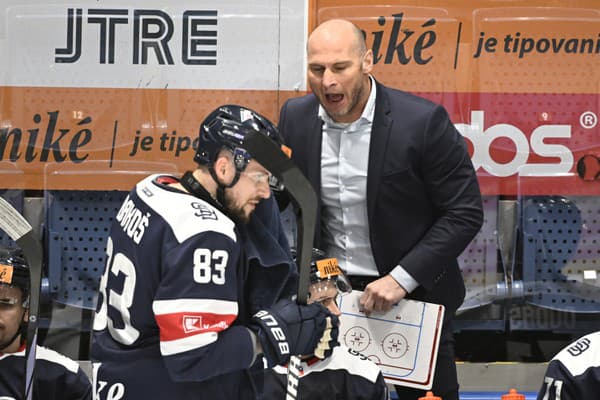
(289, 328)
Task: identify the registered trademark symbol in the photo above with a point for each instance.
(588, 120)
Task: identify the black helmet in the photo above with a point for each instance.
(226, 127)
(325, 269)
(14, 270)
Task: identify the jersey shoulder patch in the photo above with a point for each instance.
(580, 355)
(180, 210)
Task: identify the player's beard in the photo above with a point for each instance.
(235, 211)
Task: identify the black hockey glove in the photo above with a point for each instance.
(289, 328)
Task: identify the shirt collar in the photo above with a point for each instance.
(367, 114)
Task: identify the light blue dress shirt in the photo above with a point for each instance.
(344, 165)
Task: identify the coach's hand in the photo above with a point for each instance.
(381, 295)
(289, 328)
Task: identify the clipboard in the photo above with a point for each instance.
(403, 342)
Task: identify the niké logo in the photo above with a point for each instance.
(403, 44)
(151, 32)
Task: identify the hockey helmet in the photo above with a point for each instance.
(225, 128)
(325, 271)
(14, 271)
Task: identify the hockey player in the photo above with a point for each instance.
(56, 376)
(574, 373)
(178, 315)
(346, 374)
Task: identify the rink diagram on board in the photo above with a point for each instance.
(403, 342)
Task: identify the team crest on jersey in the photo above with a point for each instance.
(192, 323)
(146, 190)
(579, 347)
(203, 211)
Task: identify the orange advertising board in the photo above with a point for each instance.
(479, 46)
(521, 81)
(99, 139)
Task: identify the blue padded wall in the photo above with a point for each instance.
(561, 257)
(78, 224)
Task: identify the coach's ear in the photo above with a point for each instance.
(367, 62)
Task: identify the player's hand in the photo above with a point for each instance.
(381, 295)
(289, 328)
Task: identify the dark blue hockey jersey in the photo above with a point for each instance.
(574, 373)
(345, 375)
(172, 309)
(56, 377)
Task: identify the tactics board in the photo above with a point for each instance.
(403, 342)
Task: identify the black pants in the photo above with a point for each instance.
(445, 382)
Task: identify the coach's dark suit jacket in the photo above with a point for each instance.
(423, 199)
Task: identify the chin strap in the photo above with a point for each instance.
(220, 186)
(191, 184)
(195, 188)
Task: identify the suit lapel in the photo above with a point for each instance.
(380, 133)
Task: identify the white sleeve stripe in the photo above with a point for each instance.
(43, 353)
(189, 343)
(161, 307)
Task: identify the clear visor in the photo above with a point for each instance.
(241, 158)
(341, 286)
(11, 296)
(275, 184)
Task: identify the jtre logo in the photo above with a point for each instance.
(151, 31)
(482, 139)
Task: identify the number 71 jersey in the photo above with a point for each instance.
(574, 373)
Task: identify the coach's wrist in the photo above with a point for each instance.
(404, 279)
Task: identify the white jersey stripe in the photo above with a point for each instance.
(188, 343)
(162, 307)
